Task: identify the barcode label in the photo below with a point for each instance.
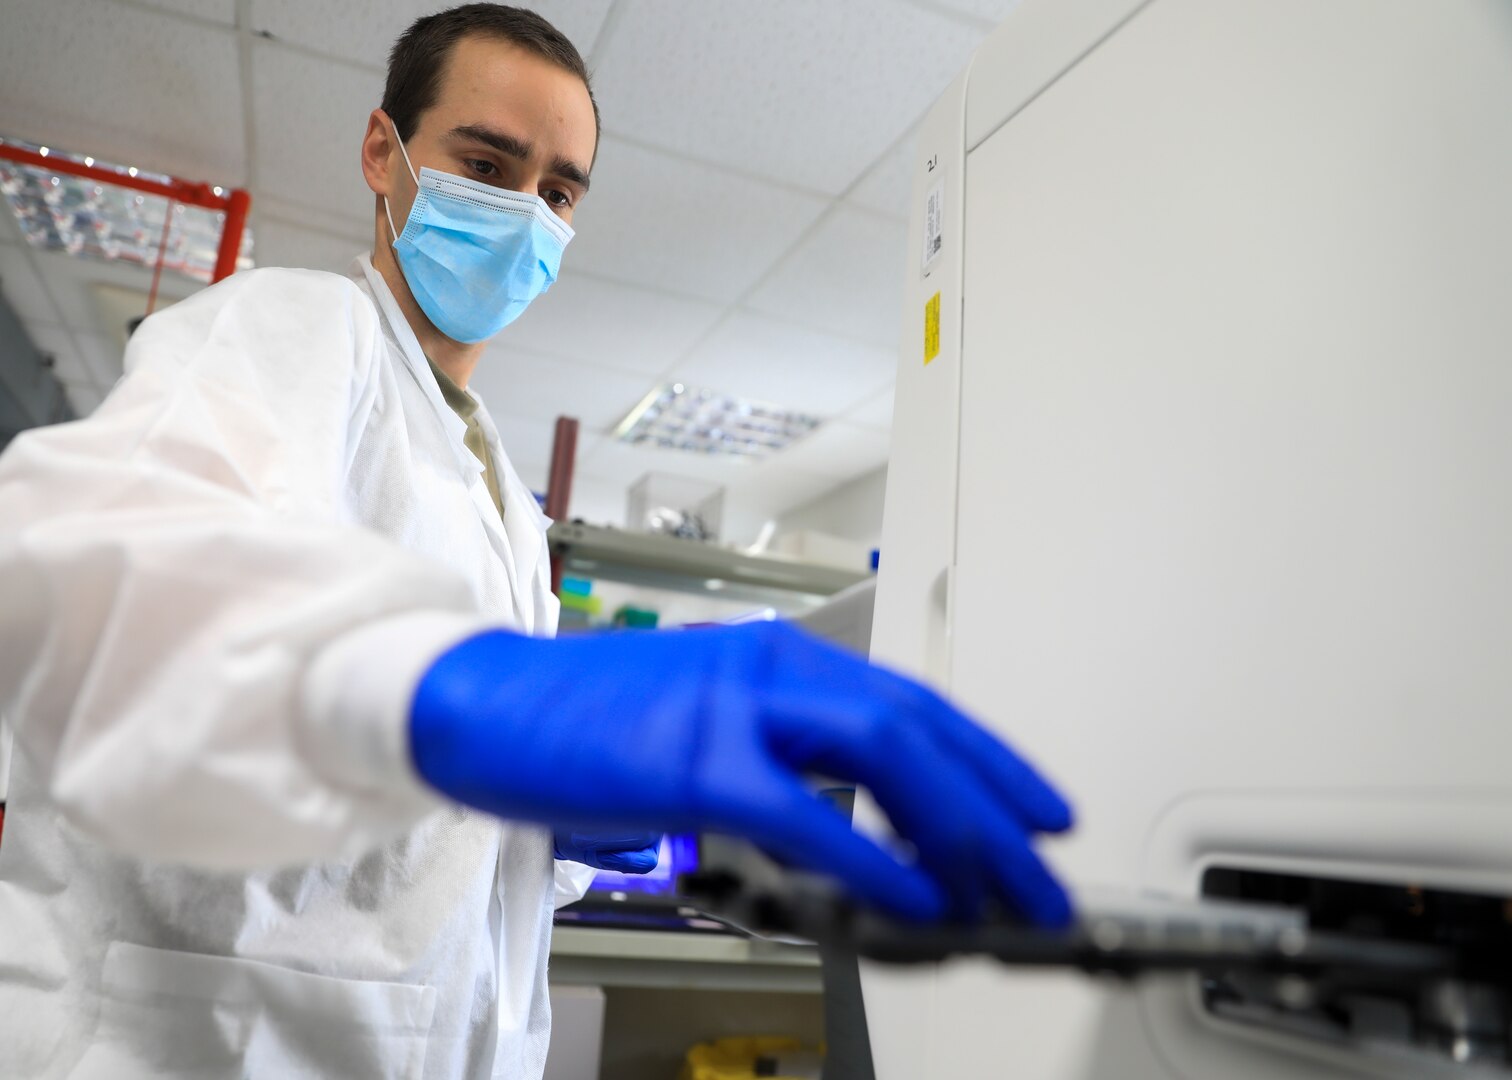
(934, 224)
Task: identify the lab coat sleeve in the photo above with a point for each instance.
(572, 881)
(204, 664)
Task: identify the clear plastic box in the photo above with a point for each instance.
(675, 506)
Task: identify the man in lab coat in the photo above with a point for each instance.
(299, 776)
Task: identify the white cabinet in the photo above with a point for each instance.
(1224, 422)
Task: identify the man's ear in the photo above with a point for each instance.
(378, 152)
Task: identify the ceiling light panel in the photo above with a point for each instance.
(100, 220)
(679, 417)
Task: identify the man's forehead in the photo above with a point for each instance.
(499, 75)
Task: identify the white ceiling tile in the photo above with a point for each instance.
(523, 383)
(888, 185)
(84, 397)
(220, 11)
(757, 358)
(310, 116)
(846, 277)
(127, 85)
(993, 10)
(624, 464)
(789, 89)
(22, 288)
(282, 243)
(610, 324)
(838, 449)
(365, 30)
(303, 216)
(658, 221)
(876, 413)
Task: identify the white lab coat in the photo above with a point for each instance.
(219, 593)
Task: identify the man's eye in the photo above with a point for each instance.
(558, 198)
(481, 167)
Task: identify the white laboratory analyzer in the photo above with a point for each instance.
(1201, 495)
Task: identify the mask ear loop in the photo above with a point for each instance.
(386, 211)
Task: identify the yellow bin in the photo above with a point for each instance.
(732, 1059)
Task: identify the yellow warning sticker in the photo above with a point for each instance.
(932, 328)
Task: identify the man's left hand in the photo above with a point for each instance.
(623, 852)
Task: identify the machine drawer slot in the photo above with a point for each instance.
(1461, 1015)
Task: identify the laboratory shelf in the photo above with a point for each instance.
(667, 562)
(600, 956)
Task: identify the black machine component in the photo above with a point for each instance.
(1460, 1013)
(1171, 937)
(1401, 969)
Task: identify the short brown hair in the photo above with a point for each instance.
(419, 56)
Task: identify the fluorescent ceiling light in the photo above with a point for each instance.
(678, 417)
(93, 220)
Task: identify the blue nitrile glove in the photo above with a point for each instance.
(625, 851)
(714, 730)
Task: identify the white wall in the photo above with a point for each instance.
(852, 511)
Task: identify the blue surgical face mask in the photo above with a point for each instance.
(475, 255)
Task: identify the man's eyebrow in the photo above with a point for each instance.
(568, 171)
(518, 149)
(501, 141)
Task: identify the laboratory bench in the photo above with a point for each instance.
(599, 956)
(663, 991)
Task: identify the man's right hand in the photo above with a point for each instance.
(714, 730)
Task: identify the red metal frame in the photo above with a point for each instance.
(559, 483)
(235, 202)
(238, 202)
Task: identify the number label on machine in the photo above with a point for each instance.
(934, 225)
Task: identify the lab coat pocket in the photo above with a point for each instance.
(176, 1015)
